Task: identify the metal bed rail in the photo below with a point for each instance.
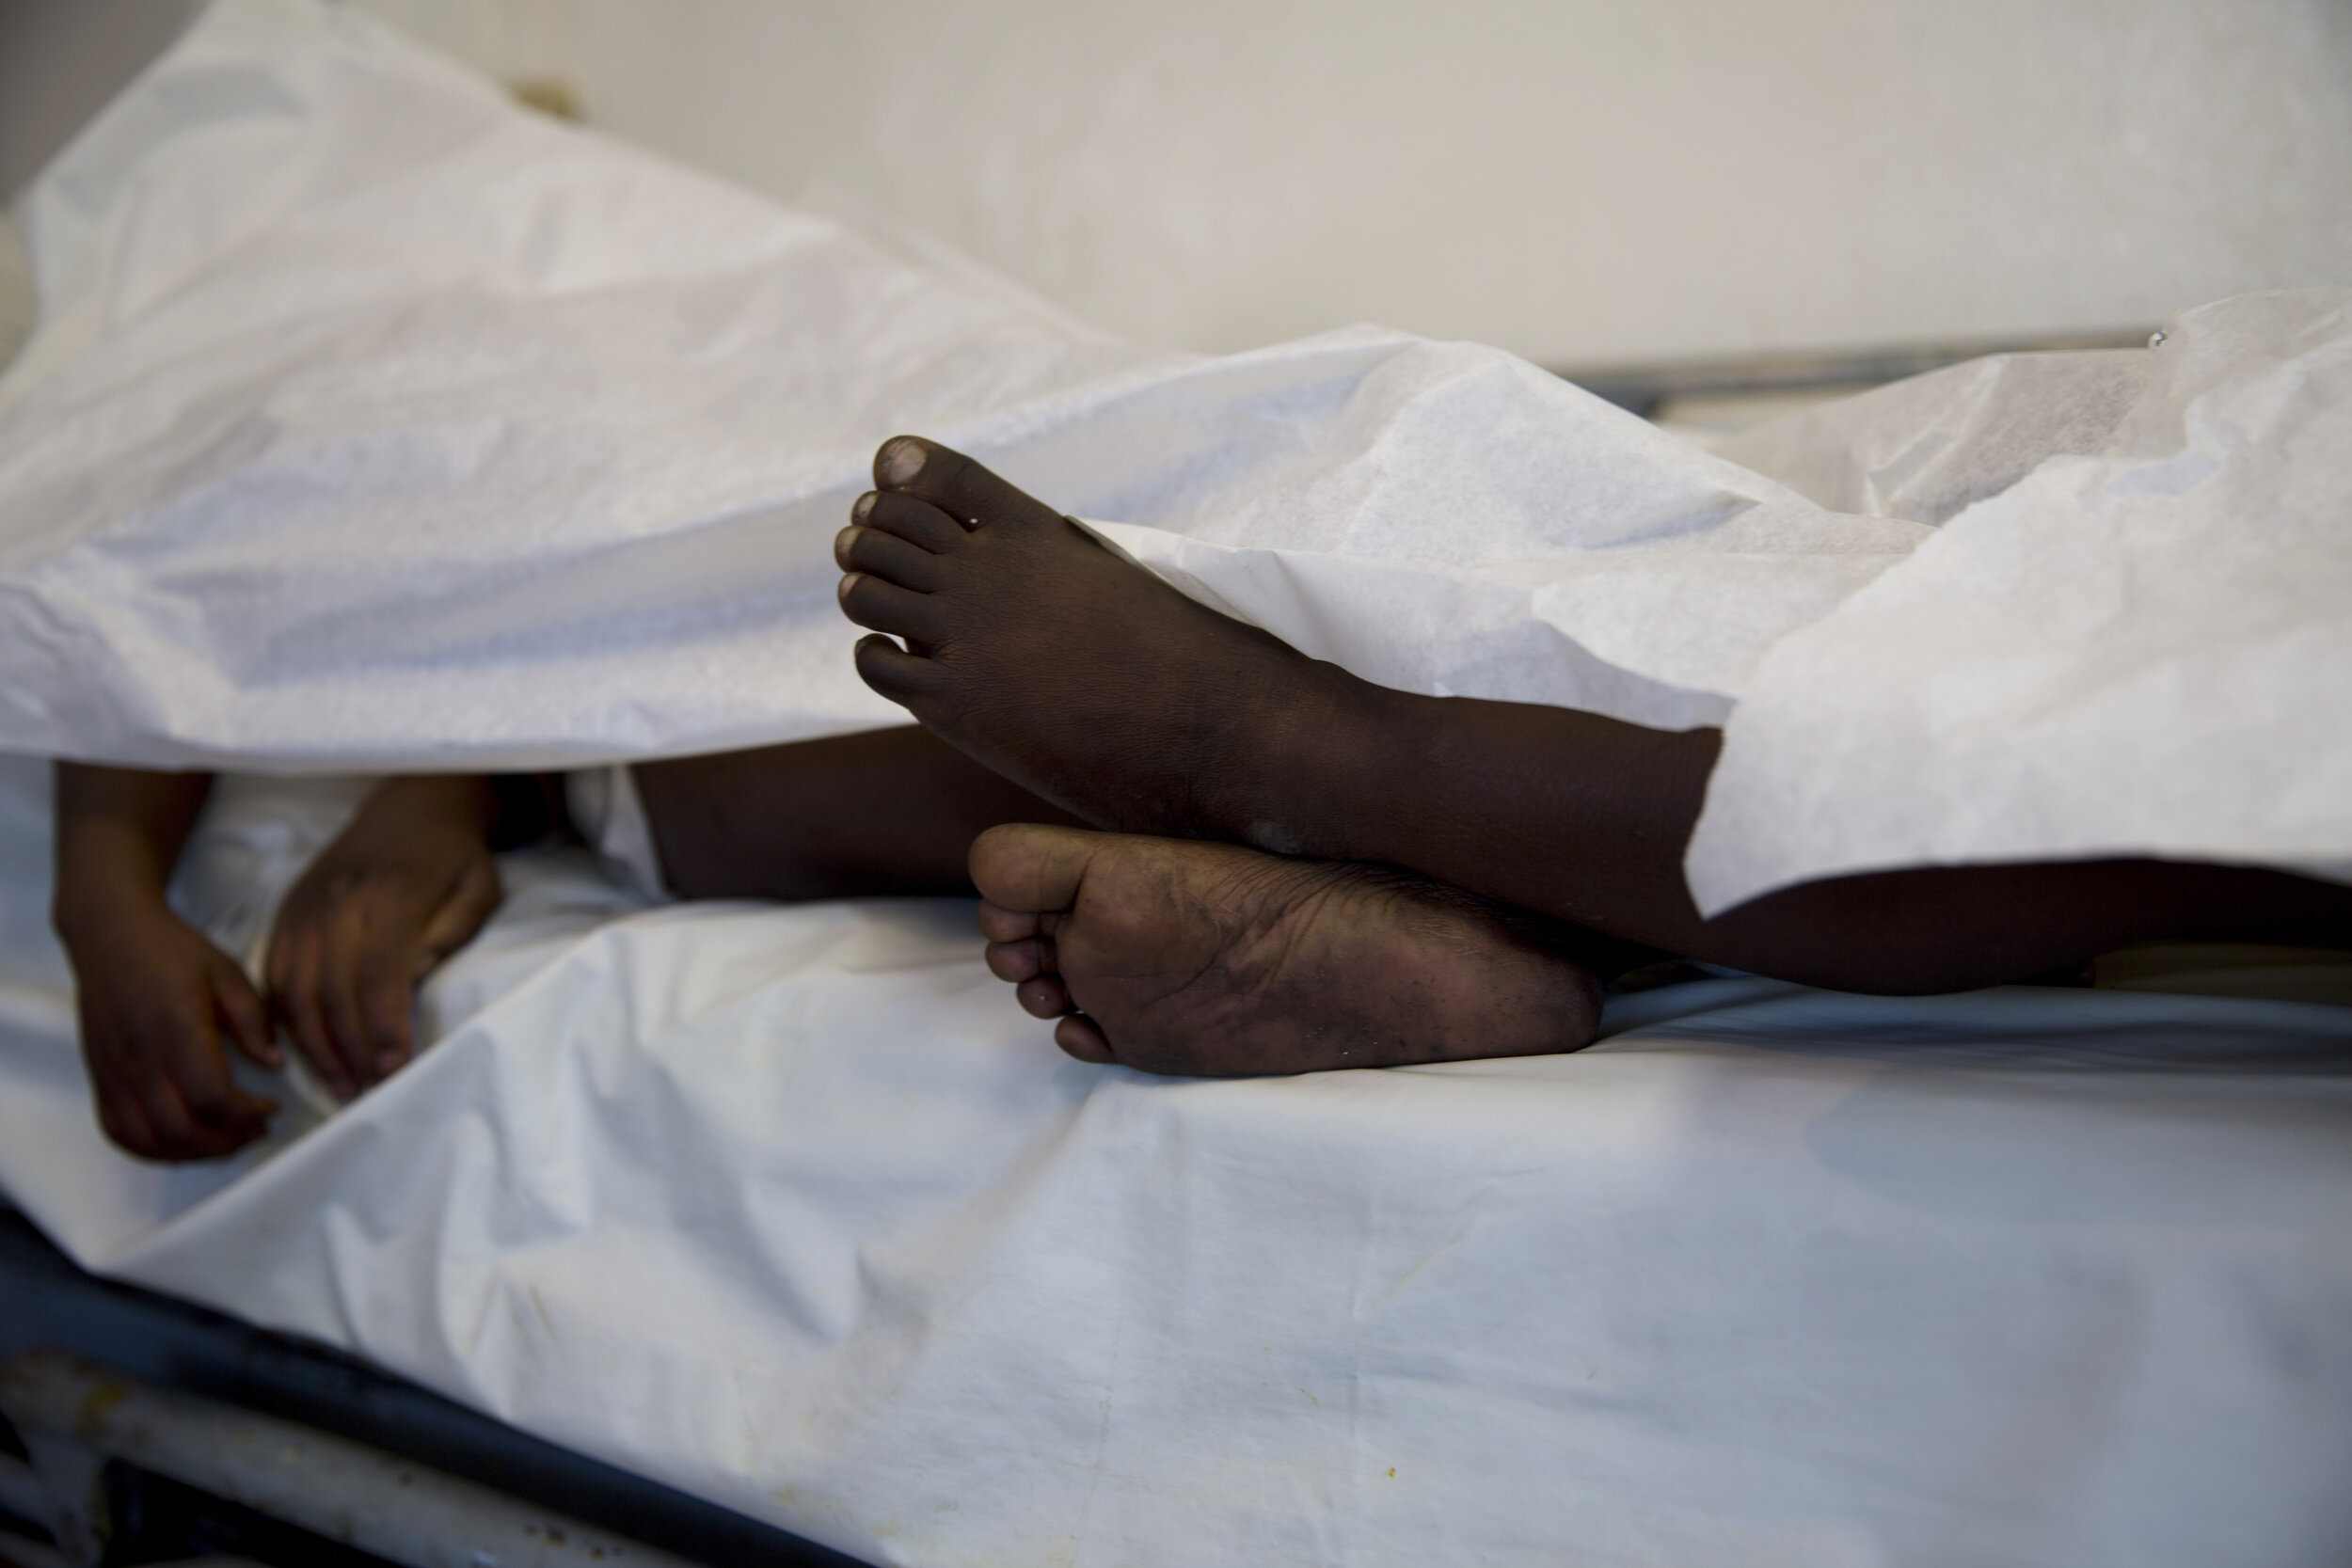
(198, 1379)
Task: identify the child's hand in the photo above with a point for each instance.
(406, 883)
(156, 1001)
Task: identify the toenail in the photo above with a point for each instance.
(902, 459)
(863, 507)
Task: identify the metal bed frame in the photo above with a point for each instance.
(354, 1455)
(1646, 389)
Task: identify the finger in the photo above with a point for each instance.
(306, 1017)
(173, 1130)
(954, 483)
(468, 906)
(885, 607)
(1044, 996)
(386, 997)
(342, 952)
(1079, 1036)
(203, 1141)
(1021, 961)
(121, 1119)
(244, 1018)
(277, 964)
(917, 522)
(198, 1071)
(118, 1084)
(887, 557)
(1024, 866)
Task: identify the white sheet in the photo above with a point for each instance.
(372, 421)
(2134, 634)
(793, 1210)
(376, 423)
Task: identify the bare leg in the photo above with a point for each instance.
(1103, 690)
(881, 812)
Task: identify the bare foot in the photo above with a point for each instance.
(1218, 962)
(1060, 666)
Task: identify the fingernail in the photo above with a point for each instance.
(863, 507)
(841, 547)
(902, 459)
(842, 593)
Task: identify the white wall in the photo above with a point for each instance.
(1582, 181)
(60, 60)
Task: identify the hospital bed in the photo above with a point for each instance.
(1765, 1275)
(761, 1224)
(49, 1305)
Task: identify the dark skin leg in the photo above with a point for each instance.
(1035, 651)
(1202, 961)
(886, 812)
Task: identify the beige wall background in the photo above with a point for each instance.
(1581, 181)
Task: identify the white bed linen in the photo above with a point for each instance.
(793, 1209)
(374, 423)
(2133, 634)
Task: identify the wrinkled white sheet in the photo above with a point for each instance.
(2133, 634)
(373, 422)
(792, 1208)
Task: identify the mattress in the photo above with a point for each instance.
(790, 1208)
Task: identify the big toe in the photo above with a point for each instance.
(956, 485)
(1026, 866)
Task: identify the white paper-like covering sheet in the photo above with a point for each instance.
(2132, 635)
(792, 1208)
(373, 422)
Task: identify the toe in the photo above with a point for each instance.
(881, 606)
(1023, 865)
(1079, 1036)
(1017, 961)
(1044, 996)
(956, 485)
(998, 924)
(885, 556)
(907, 679)
(899, 460)
(916, 521)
